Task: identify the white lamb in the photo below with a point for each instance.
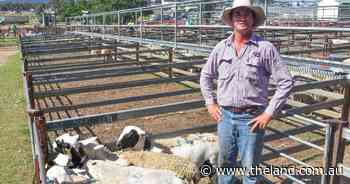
(199, 152)
(95, 52)
(58, 174)
(106, 51)
(131, 137)
(110, 172)
(72, 140)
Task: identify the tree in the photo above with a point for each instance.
(20, 6)
(68, 8)
(57, 6)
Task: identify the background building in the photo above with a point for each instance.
(333, 10)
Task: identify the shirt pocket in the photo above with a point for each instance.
(225, 70)
(253, 86)
(254, 71)
(226, 78)
(253, 66)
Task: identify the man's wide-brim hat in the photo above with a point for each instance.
(258, 11)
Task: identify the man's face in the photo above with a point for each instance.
(243, 20)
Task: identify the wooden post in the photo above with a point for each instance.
(40, 125)
(25, 63)
(40, 142)
(289, 43)
(335, 151)
(36, 178)
(330, 46)
(293, 38)
(36, 171)
(346, 107)
(89, 44)
(137, 53)
(278, 44)
(325, 46)
(171, 60)
(310, 40)
(29, 80)
(115, 50)
(338, 142)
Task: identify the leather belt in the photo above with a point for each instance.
(248, 109)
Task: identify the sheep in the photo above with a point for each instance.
(131, 137)
(91, 140)
(156, 149)
(73, 158)
(71, 140)
(183, 168)
(79, 151)
(68, 144)
(59, 174)
(98, 152)
(62, 160)
(198, 153)
(172, 142)
(339, 41)
(95, 52)
(346, 61)
(198, 148)
(91, 149)
(110, 172)
(107, 52)
(209, 137)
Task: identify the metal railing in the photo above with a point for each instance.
(208, 13)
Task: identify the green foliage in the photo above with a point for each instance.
(21, 6)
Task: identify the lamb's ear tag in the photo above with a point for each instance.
(94, 163)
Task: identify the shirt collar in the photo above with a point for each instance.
(253, 39)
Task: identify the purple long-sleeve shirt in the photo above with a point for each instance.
(243, 80)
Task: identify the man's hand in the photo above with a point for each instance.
(214, 111)
(260, 121)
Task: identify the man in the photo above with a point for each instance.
(242, 65)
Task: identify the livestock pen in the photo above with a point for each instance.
(68, 88)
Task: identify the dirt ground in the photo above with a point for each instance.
(5, 52)
(154, 124)
(106, 132)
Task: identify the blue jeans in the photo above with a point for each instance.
(235, 137)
